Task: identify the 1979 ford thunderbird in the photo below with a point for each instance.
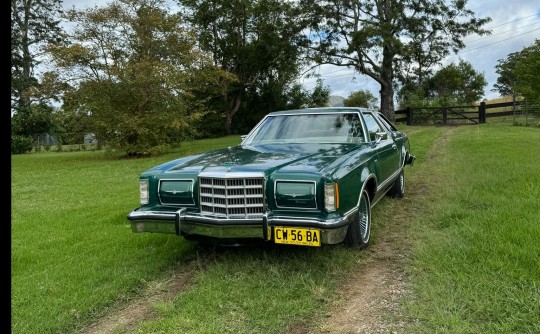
(303, 177)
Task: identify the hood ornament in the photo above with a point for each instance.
(228, 164)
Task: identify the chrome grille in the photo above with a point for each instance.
(232, 197)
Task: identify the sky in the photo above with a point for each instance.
(514, 25)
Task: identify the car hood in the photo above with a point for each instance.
(294, 158)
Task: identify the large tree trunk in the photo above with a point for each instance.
(387, 101)
(232, 108)
(24, 100)
(387, 87)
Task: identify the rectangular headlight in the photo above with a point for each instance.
(295, 194)
(143, 190)
(331, 197)
(176, 191)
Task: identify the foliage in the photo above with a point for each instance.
(253, 41)
(34, 24)
(137, 69)
(452, 85)
(21, 144)
(360, 98)
(39, 120)
(320, 95)
(456, 84)
(386, 40)
(518, 73)
(506, 69)
(72, 126)
(516, 70)
(526, 72)
(274, 96)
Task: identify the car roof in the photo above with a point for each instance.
(318, 110)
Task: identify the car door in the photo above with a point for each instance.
(388, 160)
(399, 137)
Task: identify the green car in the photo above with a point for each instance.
(301, 177)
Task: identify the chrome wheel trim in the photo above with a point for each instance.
(364, 218)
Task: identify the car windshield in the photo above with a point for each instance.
(309, 128)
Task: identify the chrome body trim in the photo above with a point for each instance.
(218, 198)
(333, 230)
(229, 175)
(390, 179)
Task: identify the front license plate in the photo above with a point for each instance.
(297, 236)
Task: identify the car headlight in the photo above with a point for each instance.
(176, 191)
(143, 190)
(295, 194)
(331, 197)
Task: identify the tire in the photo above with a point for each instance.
(359, 229)
(398, 189)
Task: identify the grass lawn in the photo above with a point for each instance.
(473, 265)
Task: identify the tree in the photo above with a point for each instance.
(274, 96)
(457, 84)
(360, 98)
(506, 69)
(380, 38)
(253, 40)
(518, 73)
(32, 124)
(527, 71)
(136, 69)
(34, 24)
(453, 84)
(319, 97)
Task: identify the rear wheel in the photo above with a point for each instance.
(398, 189)
(360, 228)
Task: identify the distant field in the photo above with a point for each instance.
(473, 262)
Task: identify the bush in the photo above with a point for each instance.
(21, 144)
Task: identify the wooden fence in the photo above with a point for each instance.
(457, 115)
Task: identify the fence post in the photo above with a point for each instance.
(482, 112)
(409, 116)
(445, 116)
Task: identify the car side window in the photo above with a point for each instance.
(372, 126)
(389, 126)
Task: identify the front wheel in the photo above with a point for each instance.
(360, 228)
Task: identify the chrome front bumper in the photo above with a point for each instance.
(181, 222)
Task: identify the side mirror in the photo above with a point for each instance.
(242, 137)
(380, 136)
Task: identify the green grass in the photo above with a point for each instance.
(476, 256)
(73, 254)
(473, 263)
(256, 290)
